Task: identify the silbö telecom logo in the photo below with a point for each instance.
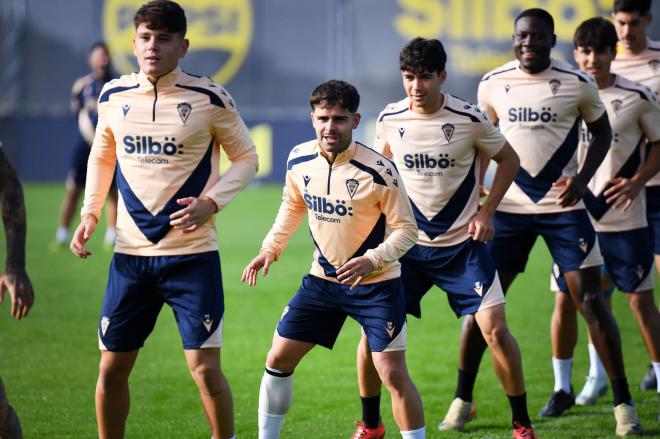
(321, 206)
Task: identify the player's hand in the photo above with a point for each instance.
(354, 271)
(20, 291)
(81, 236)
(481, 226)
(264, 260)
(622, 193)
(196, 213)
(572, 190)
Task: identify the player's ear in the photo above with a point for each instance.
(356, 120)
(554, 40)
(185, 43)
(575, 56)
(443, 76)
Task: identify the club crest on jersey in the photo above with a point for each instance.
(389, 327)
(554, 86)
(306, 180)
(105, 322)
(507, 87)
(184, 109)
(583, 245)
(351, 186)
(401, 132)
(479, 288)
(654, 64)
(207, 322)
(448, 130)
(640, 272)
(616, 105)
(124, 109)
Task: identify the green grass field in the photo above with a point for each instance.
(49, 361)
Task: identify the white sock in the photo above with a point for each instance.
(656, 369)
(562, 370)
(62, 235)
(110, 235)
(275, 397)
(596, 368)
(420, 433)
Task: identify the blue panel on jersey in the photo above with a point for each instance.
(447, 216)
(215, 99)
(377, 177)
(641, 93)
(384, 115)
(303, 158)
(497, 73)
(537, 187)
(472, 117)
(596, 205)
(155, 227)
(570, 72)
(105, 96)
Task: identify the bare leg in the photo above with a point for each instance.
(563, 326)
(112, 394)
(368, 379)
(204, 366)
(69, 204)
(648, 318)
(10, 427)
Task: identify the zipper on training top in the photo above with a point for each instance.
(153, 110)
(329, 175)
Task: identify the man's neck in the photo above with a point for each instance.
(633, 51)
(605, 81)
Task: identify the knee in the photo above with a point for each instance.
(394, 378)
(278, 360)
(497, 336)
(113, 374)
(206, 374)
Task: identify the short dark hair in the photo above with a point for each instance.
(335, 93)
(539, 13)
(422, 55)
(96, 45)
(162, 15)
(640, 6)
(597, 33)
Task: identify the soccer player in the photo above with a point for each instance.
(638, 59)
(435, 140)
(84, 96)
(539, 103)
(361, 222)
(162, 129)
(14, 279)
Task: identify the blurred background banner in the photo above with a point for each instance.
(268, 54)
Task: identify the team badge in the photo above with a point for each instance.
(125, 108)
(654, 64)
(105, 322)
(640, 272)
(306, 180)
(583, 245)
(448, 130)
(390, 329)
(507, 87)
(184, 109)
(401, 132)
(207, 322)
(554, 86)
(351, 186)
(479, 288)
(616, 105)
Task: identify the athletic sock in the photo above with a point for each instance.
(656, 369)
(519, 410)
(62, 235)
(596, 368)
(371, 411)
(621, 392)
(562, 369)
(275, 396)
(420, 433)
(465, 384)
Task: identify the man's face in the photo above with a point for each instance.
(595, 62)
(99, 59)
(631, 29)
(532, 42)
(424, 89)
(158, 51)
(334, 127)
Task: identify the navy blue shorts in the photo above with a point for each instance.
(319, 308)
(569, 236)
(653, 215)
(78, 167)
(464, 271)
(558, 282)
(139, 285)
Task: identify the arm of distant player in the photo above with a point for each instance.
(573, 188)
(624, 190)
(14, 279)
(481, 225)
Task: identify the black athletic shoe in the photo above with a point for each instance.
(650, 381)
(559, 402)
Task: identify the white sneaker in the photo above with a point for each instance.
(594, 388)
(460, 413)
(627, 421)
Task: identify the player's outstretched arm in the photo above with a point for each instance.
(195, 213)
(573, 188)
(263, 260)
(82, 234)
(624, 190)
(12, 204)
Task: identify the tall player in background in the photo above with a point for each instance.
(163, 130)
(638, 59)
(435, 139)
(84, 96)
(538, 103)
(14, 279)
